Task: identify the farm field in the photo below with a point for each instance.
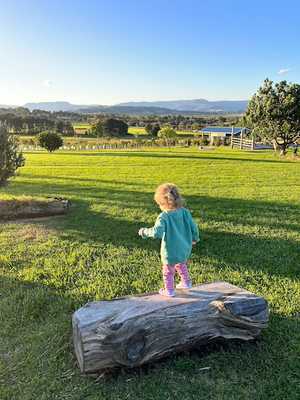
(81, 125)
(247, 207)
(133, 130)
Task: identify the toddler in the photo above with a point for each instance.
(178, 232)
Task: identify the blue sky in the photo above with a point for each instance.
(105, 52)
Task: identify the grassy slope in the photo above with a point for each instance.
(247, 205)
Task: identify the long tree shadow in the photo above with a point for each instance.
(269, 214)
(230, 156)
(251, 234)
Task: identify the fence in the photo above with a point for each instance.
(115, 146)
(118, 145)
(242, 143)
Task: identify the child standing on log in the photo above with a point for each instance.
(178, 233)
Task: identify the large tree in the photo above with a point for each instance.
(114, 127)
(10, 157)
(274, 113)
(152, 129)
(97, 129)
(50, 141)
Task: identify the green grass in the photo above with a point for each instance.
(80, 125)
(182, 133)
(247, 206)
(136, 130)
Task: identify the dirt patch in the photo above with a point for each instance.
(32, 233)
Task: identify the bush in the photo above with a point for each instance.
(203, 141)
(168, 134)
(50, 141)
(217, 141)
(10, 158)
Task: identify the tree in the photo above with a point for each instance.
(114, 127)
(97, 129)
(167, 133)
(50, 141)
(274, 113)
(152, 129)
(10, 157)
(148, 128)
(222, 119)
(59, 127)
(69, 130)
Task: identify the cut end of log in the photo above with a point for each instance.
(135, 330)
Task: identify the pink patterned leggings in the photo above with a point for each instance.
(169, 272)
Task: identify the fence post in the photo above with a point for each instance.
(232, 137)
(241, 142)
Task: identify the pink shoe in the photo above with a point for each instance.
(167, 293)
(183, 285)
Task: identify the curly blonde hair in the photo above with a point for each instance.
(168, 197)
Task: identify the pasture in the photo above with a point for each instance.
(136, 130)
(247, 207)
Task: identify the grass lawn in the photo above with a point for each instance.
(79, 125)
(247, 206)
(136, 130)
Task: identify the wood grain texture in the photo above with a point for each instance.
(134, 330)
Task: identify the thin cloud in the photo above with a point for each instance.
(283, 71)
(47, 83)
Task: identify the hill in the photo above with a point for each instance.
(198, 105)
(147, 107)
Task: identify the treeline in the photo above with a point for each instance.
(103, 125)
(182, 122)
(22, 121)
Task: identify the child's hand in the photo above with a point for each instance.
(141, 232)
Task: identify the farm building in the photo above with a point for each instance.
(222, 132)
(217, 132)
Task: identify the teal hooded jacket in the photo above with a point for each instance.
(177, 230)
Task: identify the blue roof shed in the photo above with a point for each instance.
(223, 130)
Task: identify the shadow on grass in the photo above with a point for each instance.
(35, 326)
(230, 156)
(249, 234)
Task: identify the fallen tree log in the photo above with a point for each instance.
(135, 330)
(32, 208)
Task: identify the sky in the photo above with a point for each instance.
(106, 52)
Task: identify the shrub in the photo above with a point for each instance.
(50, 141)
(10, 158)
(204, 141)
(217, 141)
(168, 134)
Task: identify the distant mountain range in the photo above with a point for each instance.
(146, 107)
(199, 105)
